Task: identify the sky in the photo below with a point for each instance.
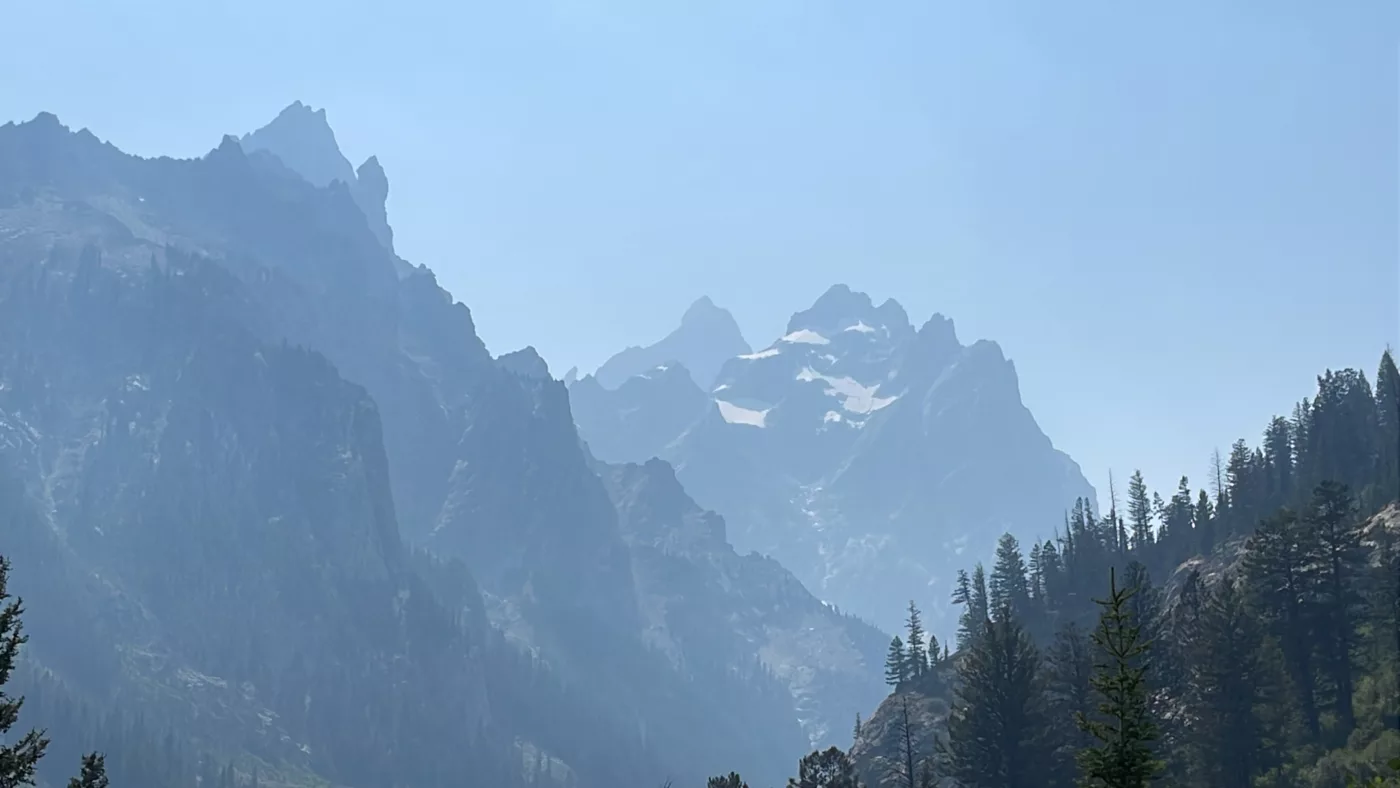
(1171, 216)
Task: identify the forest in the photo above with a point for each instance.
(1244, 633)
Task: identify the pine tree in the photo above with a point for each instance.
(1203, 519)
(1341, 565)
(980, 604)
(1388, 429)
(731, 780)
(1010, 590)
(19, 759)
(1242, 488)
(1278, 463)
(997, 721)
(1069, 668)
(1124, 757)
(855, 732)
(896, 663)
(914, 653)
(93, 774)
(962, 595)
(1229, 682)
(828, 768)
(1277, 567)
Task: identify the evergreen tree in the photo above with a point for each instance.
(1010, 589)
(1069, 668)
(1278, 571)
(896, 663)
(18, 759)
(1229, 683)
(855, 732)
(1387, 430)
(980, 604)
(93, 774)
(962, 595)
(997, 723)
(1124, 757)
(1204, 524)
(731, 780)
(914, 653)
(1242, 486)
(1341, 567)
(934, 650)
(828, 768)
(1278, 463)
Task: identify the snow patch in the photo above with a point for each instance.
(735, 414)
(804, 336)
(831, 416)
(769, 353)
(857, 398)
(720, 387)
(860, 327)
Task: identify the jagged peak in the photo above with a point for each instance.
(840, 308)
(303, 139)
(525, 362)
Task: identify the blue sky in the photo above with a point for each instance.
(1171, 216)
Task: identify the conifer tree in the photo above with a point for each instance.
(980, 604)
(1278, 571)
(962, 595)
(914, 653)
(1124, 757)
(1069, 694)
(1010, 590)
(1204, 524)
(20, 757)
(1228, 684)
(997, 723)
(896, 663)
(1388, 429)
(93, 774)
(829, 768)
(1340, 566)
(731, 780)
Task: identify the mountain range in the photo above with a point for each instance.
(264, 483)
(870, 457)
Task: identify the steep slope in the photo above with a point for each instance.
(706, 338)
(484, 466)
(203, 526)
(869, 457)
(709, 608)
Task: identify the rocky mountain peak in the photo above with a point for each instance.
(842, 309)
(707, 337)
(303, 140)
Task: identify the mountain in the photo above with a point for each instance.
(706, 338)
(220, 389)
(709, 608)
(302, 139)
(869, 457)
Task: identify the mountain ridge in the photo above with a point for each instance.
(852, 419)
